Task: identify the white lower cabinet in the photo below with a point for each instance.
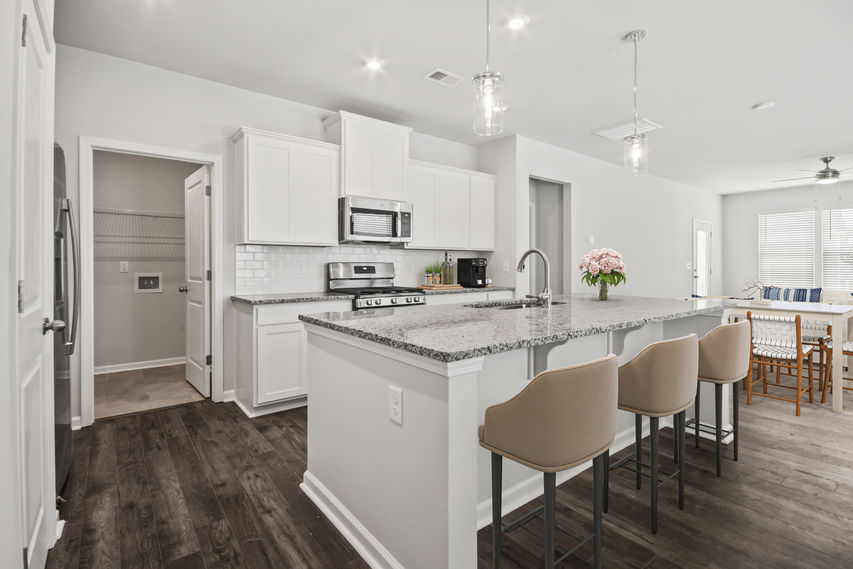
(271, 354)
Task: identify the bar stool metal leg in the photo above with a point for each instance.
(638, 447)
(735, 418)
(600, 466)
(605, 459)
(718, 400)
(550, 503)
(497, 476)
(681, 419)
(653, 425)
(696, 407)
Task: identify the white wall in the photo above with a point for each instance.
(130, 326)
(109, 97)
(740, 215)
(646, 218)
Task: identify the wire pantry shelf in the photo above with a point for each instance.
(138, 234)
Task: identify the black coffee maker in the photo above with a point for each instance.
(471, 272)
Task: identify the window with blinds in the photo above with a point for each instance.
(837, 248)
(786, 248)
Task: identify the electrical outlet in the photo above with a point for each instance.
(506, 266)
(688, 265)
(300, 268)
(122, 266)
(395, 404)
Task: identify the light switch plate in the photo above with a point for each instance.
(688, 265)
(122, 266)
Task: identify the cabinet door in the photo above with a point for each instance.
(482, 236)
(423, 189)
(453, 210)
(359, 146)
(281, 364)
(314, 196)
(268, 193)
(392, 156)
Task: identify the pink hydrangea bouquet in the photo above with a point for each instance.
(602, 267)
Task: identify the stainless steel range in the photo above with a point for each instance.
(372, 285)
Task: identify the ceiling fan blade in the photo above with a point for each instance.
(844, 170)
(812, 171)
(792, 179)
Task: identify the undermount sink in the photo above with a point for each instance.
(512, 305)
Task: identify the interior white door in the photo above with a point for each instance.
(197, 267)
(701, 257)
(34, 275)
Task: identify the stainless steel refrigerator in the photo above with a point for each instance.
(66, 298)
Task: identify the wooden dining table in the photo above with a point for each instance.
(837, 315)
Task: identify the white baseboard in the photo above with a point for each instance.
(370, 549)
(133, 366)
(76, 423)
(252, 412)
(227, 395)
(531, 488)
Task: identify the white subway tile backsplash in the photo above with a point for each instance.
(269, 269)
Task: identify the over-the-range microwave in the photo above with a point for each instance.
(372, 220)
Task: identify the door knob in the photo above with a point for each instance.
(183, 289)
(55, 326)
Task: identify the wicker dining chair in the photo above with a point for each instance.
(777, 341)
(826, 385)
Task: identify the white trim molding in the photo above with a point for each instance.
(133, 366)
(370, 549)
(87, 147)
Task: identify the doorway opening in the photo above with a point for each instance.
(145, 212)
(701, 257)
(550, 232)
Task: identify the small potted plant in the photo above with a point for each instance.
(432, 274)
(602, 267)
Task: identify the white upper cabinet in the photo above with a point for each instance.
(287, 189)
(451, 208)
(481, 235)
(374, 156)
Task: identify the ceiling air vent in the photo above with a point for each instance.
(443, 77)
(620, 131)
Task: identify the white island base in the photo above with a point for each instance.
(413, 495)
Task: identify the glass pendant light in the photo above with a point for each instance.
(636, 145)
(488, 95)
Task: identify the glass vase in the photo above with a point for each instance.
(602, 290)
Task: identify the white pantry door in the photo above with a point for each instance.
(197, 267)
(34, 275)
(701, 257)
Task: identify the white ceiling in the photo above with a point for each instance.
(568, 73)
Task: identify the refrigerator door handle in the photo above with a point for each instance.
(75, 257)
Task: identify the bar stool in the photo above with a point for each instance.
(659, 382)
(826, 381)
(562, 418)
(724, 355)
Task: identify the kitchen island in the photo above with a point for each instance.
(396, 396)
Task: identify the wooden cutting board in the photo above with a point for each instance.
(439, 286)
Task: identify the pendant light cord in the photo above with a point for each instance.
(488, 33)
(635, 85)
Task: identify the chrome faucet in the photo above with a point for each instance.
(545, 296)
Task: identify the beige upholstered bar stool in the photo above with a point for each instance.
(562, 418)
(724, 355)
(659, 382)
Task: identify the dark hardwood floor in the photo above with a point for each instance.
(202, 486)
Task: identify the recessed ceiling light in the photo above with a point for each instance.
(763, 105)
(517, 22)
(374, 64)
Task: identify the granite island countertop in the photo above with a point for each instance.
(458, 331)
(288, 297)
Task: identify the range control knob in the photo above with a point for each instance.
(378, 301)
(369, 303)
(408, 299)
(393, 301)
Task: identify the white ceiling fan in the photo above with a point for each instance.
(825, 175)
